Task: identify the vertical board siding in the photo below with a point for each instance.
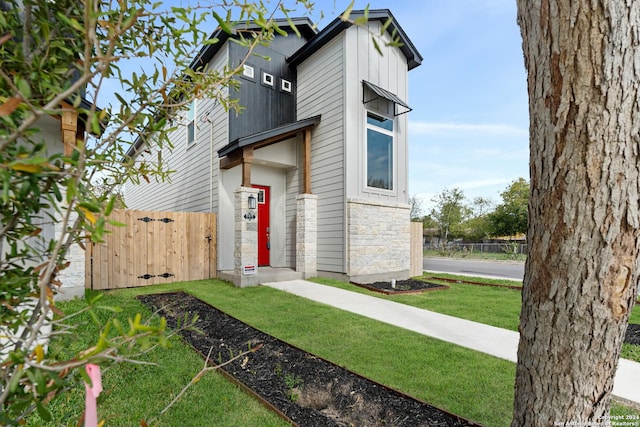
(320, 91)
(184, 247)
(388, 71)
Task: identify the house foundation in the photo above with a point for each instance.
(307, 235)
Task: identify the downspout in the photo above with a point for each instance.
(211, 166)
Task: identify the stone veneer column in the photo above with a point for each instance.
(307, 235)
(245, 237)
(72, 277)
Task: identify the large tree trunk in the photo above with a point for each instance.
(581, 276)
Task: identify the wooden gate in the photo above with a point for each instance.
(153, 248)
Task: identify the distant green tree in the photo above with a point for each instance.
(511, 216)
(481, 206)
(416, 213)
(429, 222)
(477, 226)
(450, 212)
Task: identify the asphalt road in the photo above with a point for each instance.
(506, 270)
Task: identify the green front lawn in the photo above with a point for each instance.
(493, 306)
(465, 382)
(135, 392)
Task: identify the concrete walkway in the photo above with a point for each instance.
(487, 339)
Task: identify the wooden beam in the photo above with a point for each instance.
(232, 160)
(69, 128)
(306, 160)
(247, 160)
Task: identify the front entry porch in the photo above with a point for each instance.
(263, 275)
(265, 212)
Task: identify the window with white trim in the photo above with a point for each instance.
(267, 79)
(248, 71)
(285, 85)
(379, 147)
(191, 123)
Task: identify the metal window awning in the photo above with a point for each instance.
(382, 93)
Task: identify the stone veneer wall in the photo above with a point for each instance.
(378, 241)
(246, 237)
(307, 235)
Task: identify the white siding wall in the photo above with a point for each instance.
(193, 184)
(321, 91)
(388, 71)
(293, 188)
(275, 178)
(72, 277)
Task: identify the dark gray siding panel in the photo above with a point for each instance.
(264, 107)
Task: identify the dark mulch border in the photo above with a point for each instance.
(355, 399)
(409, 286)
(632, 336)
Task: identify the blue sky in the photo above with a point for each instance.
(469, 124)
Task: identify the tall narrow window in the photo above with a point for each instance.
(191, 123)
(379, 152)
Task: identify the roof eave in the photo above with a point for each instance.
(303, 25)
(414, 59)
(269, 134)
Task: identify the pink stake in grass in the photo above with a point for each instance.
(93, 391)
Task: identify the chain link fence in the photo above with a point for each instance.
(512, 248)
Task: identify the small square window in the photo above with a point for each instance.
(267, 79)
(191, 123)
(248, 71)
(285, 85)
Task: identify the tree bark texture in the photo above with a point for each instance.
(583, 64)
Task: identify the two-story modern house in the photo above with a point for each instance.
(320, 150)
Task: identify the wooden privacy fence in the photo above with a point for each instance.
(153, 248)
(416, 249)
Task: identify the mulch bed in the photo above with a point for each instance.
(632, 335)
(409, 286)
(301, 387)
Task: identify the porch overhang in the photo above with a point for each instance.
(240, 150)
(383, 93)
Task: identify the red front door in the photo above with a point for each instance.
(264, 244)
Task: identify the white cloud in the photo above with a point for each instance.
(423, 128)
(482, 183)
